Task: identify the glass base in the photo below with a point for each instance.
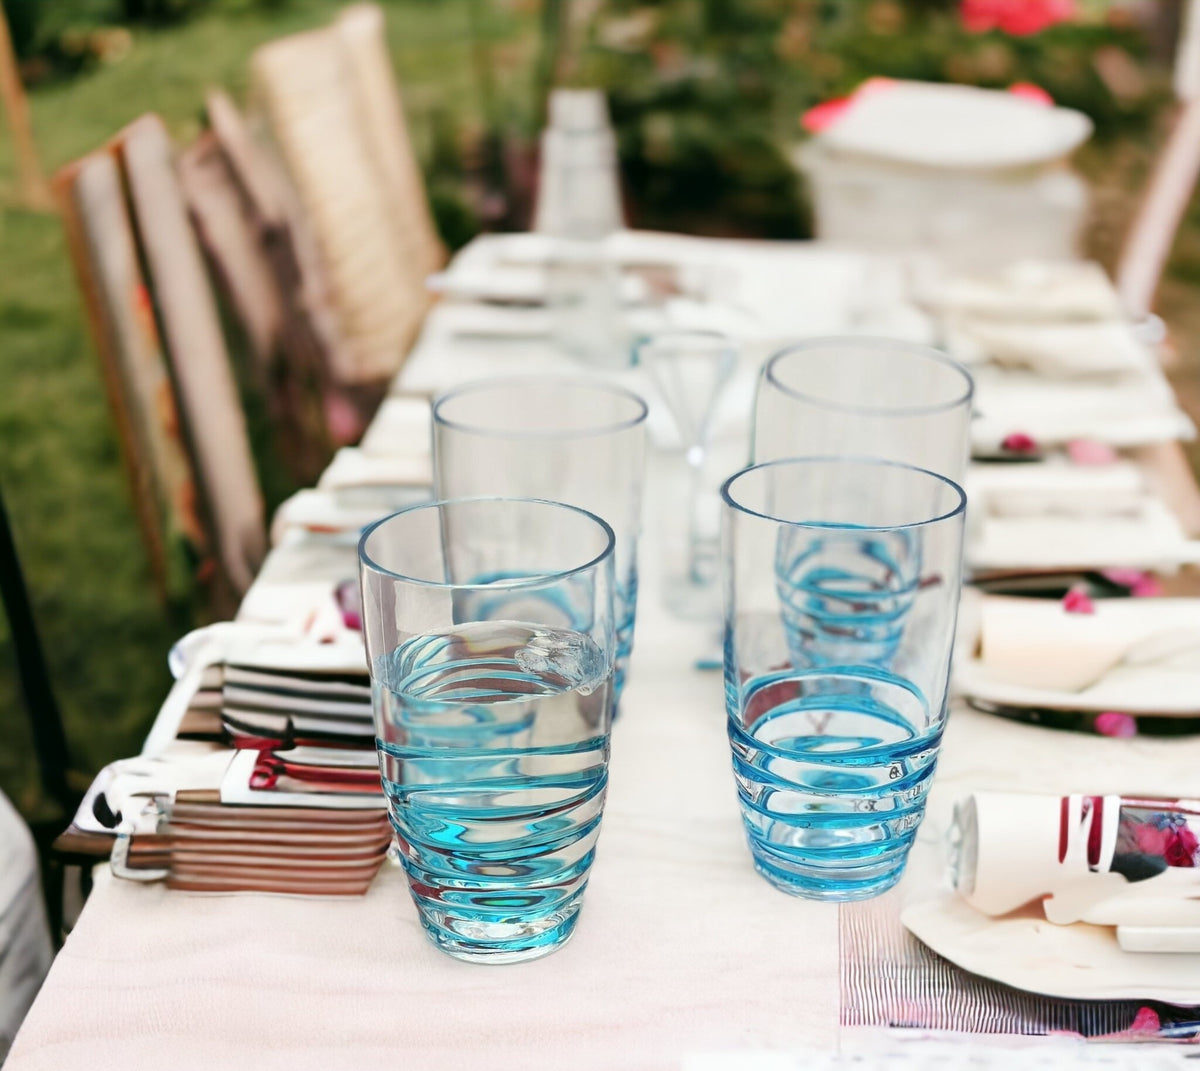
(839, 881)
(500, 942)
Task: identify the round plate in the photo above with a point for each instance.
(1023, 950)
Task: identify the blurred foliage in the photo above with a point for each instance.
(706, 94)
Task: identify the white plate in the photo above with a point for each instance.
(947, 126)
(1078, 962)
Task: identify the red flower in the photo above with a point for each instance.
(1181, 850)
(1017, 17)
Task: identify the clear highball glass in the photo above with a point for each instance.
(842, 579)
(574, 440)
(491, 638)
(865, 397)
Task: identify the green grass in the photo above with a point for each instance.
(104, 632)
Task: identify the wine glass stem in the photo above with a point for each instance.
(702, 549)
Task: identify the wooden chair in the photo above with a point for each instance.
(173, 393)
(332, 106)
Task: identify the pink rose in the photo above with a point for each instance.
(1017, 17)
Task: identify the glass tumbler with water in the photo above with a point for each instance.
(842, 580)
(567, 439)
(490, 637)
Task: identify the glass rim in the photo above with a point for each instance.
(516, 584)
(871, 342)
(480, 385)
(825, 526)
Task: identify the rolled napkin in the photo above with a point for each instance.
(1107, 860)
(1071, 349)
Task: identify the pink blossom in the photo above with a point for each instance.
(1077, 601)
(1114, 723)
(1090, 452)
(1018, 442)
(1017, 17)
(1028, 91)
(1141, 585)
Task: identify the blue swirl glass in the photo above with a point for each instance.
(491, 641)
(565, 439)
(842, 578)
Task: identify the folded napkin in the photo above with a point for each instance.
(1027, 291)
(297, 584)
(1053, 349)
(1121, 410)
(1131, 655)
(343, 510)
(401, 426)
(352, 468)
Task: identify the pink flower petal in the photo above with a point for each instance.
(1146, 588)
(1141, 585)
(1114, 723)
(1077, 601)
(1018, 442)
(1028, 91)
(1145, 1022)
(1090, 452)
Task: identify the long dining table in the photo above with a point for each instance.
(684, 957)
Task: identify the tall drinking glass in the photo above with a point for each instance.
(842, 579)
(865, 397)
(578, 441)
(490, 638)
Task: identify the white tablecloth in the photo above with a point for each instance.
(681, 951)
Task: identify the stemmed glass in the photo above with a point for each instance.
(690, 368)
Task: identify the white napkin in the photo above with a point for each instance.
(401, 426)
(353, 467)
(1054, 349)
(1130, 409)
(1132, 655)
(1027, 291)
